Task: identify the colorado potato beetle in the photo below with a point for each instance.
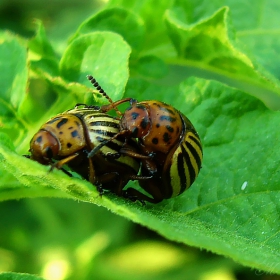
(69, 137)
(168, 140)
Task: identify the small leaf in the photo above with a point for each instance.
(212, 45)
(152, 67)
(13, 84)
(151, 13)
(256, 25)
(98, 54)
(116, 20)
(41, 53)
(40, 44)
(13, 68)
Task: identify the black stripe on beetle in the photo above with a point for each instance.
(104, 124)
(111, 145)
(197, 142)
(188, 163)
(182, 172)
(103, 132)
(114, 146)
(194, 153)
(91, 115)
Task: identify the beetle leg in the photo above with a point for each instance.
(112, 179)
(113, 105)
(131, 153)
(96, 149)
(134, 195)
(91, 172)
(133, 198)
(61, 162)
(139, 177)
(100, 190)
(66, 172)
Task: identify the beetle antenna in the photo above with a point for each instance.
(101, 90)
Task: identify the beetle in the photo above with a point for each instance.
(167, 139)
(69, 137)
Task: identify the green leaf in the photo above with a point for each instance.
(116, 20)
(13, 61)
(151, 13)
(101, 54)
(151, 67)
(13, 66)
(40, 44)
(232, 208)
(256, 25)
(210, 44)
(41, 53)
(18, 276)
(221, 211)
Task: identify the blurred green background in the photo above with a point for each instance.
(63, 239)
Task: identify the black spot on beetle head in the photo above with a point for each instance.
(155, 141)
(144, 123)
(170, 128)
(140, 106)
(166, 137)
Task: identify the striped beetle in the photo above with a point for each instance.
(167, 138)
(68, 139)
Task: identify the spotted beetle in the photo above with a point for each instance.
(68, 138)
(169, 141)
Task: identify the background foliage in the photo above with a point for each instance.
(215, 61)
